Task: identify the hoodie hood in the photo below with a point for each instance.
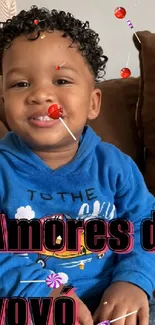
(17, 153)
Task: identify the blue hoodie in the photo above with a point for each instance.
(100, 182)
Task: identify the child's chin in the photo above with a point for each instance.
(46, 144)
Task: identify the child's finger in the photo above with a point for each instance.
(103, 312)
(96, 316)
(143, 315)
(84, 315)
(119, 311)
(56, 292)
(131, 319)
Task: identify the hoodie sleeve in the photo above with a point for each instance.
(135, 203)
(15, 268)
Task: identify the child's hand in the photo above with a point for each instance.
(83, 314)
(123, 298)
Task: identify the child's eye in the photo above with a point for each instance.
(21, 84)
(62, 82)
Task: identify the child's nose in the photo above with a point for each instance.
(41, 95)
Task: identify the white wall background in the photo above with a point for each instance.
(115, 35)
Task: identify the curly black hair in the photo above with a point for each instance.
(36, 20)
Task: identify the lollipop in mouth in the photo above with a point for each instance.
(56, 112)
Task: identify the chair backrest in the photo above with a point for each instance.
(116, 123)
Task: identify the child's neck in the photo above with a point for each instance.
(56, 159)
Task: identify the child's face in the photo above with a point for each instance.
(31, 84)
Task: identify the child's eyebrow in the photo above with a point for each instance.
(67, 67)
(14, 70)
(21, 70)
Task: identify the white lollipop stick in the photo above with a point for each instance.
(67, 128)
(132, 27)
(35, 281)
(114, 320)
(136, 36)
(61, 64)
(128, 60)
(134, 5)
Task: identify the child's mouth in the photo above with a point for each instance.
(43, 121)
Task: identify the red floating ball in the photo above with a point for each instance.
(125, 73)
(120, 12)
(55, 111)
(36, 21)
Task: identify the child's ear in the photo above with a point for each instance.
(95, 104)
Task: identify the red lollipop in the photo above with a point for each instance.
(55, 111)
(36, 21)
(125, 73)
(120, 12)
